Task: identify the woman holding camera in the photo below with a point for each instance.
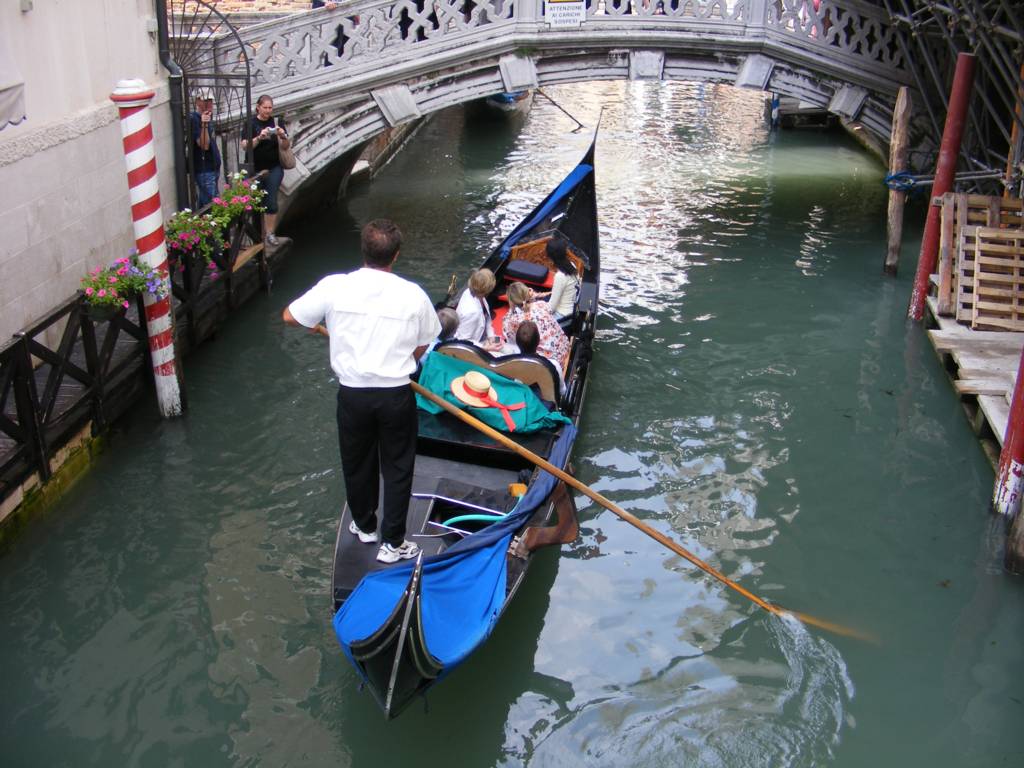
(268, 136)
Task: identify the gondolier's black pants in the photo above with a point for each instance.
(377, 433)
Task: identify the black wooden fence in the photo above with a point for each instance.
(99, 368)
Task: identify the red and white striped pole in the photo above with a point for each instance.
(132, 98)
(1010, 475)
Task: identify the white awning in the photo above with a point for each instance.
(12, 88)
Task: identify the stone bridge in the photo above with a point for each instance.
(340, 77)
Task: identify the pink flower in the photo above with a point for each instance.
(124, 304)
(89, 291)
(218, 201)
(249, 208)
(112, 279)
(214, 275)
(102, 293)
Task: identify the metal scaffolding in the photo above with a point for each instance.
(932, 34)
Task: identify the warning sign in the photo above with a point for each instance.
(565, 13)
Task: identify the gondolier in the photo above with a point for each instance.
(379, 326)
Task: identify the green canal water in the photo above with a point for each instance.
(755, 394)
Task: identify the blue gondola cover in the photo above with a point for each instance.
(463, 588)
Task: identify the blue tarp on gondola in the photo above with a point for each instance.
(462, 589)
(570, 183)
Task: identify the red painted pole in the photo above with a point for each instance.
(945, 171)
(132, 99)
(1010, 474)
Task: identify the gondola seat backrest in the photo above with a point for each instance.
(532, 370)
(535, 251)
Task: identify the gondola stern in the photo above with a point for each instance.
(394, 662)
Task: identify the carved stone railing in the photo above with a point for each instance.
(856, 31)
(367, 37)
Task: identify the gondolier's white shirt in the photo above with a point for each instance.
(375, 320)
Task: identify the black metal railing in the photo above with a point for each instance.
(69, 368)
(47, 395)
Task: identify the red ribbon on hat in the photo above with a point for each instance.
(504, 410)
(484, 396)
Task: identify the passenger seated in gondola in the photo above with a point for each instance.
(473, 311)
(449, 324)
(522, 306)
(528, 339)
(562, 297)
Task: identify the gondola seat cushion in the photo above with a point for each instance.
(526, 272)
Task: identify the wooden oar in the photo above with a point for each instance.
(631, 519)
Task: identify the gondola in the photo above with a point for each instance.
(479, 510)
(510, 102)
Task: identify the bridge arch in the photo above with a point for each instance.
(341, 77)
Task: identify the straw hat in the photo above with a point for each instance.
(473, 386)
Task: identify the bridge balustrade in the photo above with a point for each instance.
(365, 39)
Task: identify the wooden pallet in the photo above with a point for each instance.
(998, 292)
(984, 366)
(963, 304)
(959, 211)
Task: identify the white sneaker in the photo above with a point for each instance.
(366, 538)
(389, 554)
(272, 239)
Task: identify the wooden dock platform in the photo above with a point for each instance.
(983, 366)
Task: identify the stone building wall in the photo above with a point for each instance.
(64, 204)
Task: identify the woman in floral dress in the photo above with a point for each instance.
(554, 344)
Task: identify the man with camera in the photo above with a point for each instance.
(205, 155)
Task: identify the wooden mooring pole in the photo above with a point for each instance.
(1016, 153)
(945, 171)
(897, 164)
(1006, 497)
(1010, 472)
(132, 99)
(1013, 560)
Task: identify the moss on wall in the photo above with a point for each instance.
(38, 500)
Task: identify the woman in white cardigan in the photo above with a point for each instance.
(473, 311)
(562, 298)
